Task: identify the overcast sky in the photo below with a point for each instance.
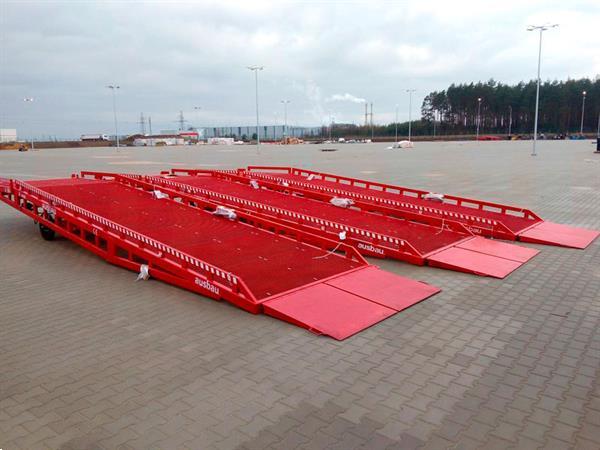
(325, 57)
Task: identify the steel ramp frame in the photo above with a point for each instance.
(345, 310)
(476, 256)
(536, 230)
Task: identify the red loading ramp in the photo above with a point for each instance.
(176, 236)
(344, 305)
(485, 218)
(557, 234)
(478, 256)
(482, 256)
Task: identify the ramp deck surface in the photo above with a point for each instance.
(423, 238)
(488, 218)
(300, 283)
(488, 257)
(233, 246)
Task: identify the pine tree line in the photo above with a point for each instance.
(503, 106)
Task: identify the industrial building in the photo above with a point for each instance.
(8, 135)
(267, 132)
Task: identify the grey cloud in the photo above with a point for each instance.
(171, 56)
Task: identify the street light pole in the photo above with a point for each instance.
(478, 116)
(541, 28)
(582, 111)
(509, 120)
(396, 138)
(255, 69)
(285, 103)
(410, 91)
(30, 100)
(113, 88)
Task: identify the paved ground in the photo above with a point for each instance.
(89, 359)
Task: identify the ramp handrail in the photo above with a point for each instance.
(405, 245)
(203, 266)
(399, 190)
(496, 224)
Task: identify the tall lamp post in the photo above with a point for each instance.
(509, 119)
(196, 110)
(255, 69)
(410, 92)
(541, 29)
(584, 93)
(478, 115)
(30, 100)
(285, 103)
(396, 138)
(113, 88)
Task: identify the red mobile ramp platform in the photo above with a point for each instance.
(256, 264)
(485, 218)
(417, 239)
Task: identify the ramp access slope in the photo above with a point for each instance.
(256, 264)
(485, 218)
(431, 241)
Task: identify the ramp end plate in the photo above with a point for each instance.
(483, 257)
(345, 305)
(557, 234)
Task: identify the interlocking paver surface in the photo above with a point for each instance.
(90, 359)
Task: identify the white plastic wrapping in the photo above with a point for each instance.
(402, 144)
(159, 194)
(341, 202)
(144, 272)
(432, 196)
(254, 184)
(222, 211)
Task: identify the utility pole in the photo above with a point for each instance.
(434, 120)
(30, 100)
(255, 69)
(410, 92)
(509, 119)
(150, 131)
(478, 115)
(584, 93)
(113, 88)
(366, 114)
(541, 29)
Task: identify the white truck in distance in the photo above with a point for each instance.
(94, 137)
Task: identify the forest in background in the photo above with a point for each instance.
(455, 109)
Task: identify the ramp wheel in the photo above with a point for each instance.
(47, 233)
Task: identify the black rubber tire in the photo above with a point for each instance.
(47, 233)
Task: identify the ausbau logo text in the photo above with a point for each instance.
(370, 248)
(206, 285)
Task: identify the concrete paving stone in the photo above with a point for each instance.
(483, 360)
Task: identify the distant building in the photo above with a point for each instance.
(267, 132)
(8, 135)
(158, 140)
